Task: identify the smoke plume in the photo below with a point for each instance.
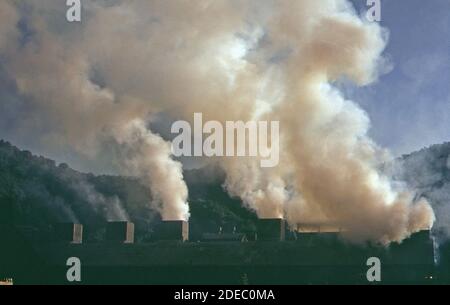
(427, 171)
(95, 84)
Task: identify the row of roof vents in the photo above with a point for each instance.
(123, 232)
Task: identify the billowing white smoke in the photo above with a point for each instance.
(69, 110)
(262, 190)
(148, 156)
(328, 171)
(100, 81)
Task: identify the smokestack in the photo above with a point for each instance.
(69, 232)
(120, 231)
(174, 230)
(271, 229)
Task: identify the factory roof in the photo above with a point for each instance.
(308, 250)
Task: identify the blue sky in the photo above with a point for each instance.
(410, 106)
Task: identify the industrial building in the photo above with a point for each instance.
(174, 230)
(276, 257)
(120, 232)
(271, 229)
(69, 232)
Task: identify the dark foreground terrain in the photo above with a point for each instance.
(311, 259)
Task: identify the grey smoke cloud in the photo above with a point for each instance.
(110, 208)
(101, 81)
(427, 172)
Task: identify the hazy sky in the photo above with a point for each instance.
(410, 106)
